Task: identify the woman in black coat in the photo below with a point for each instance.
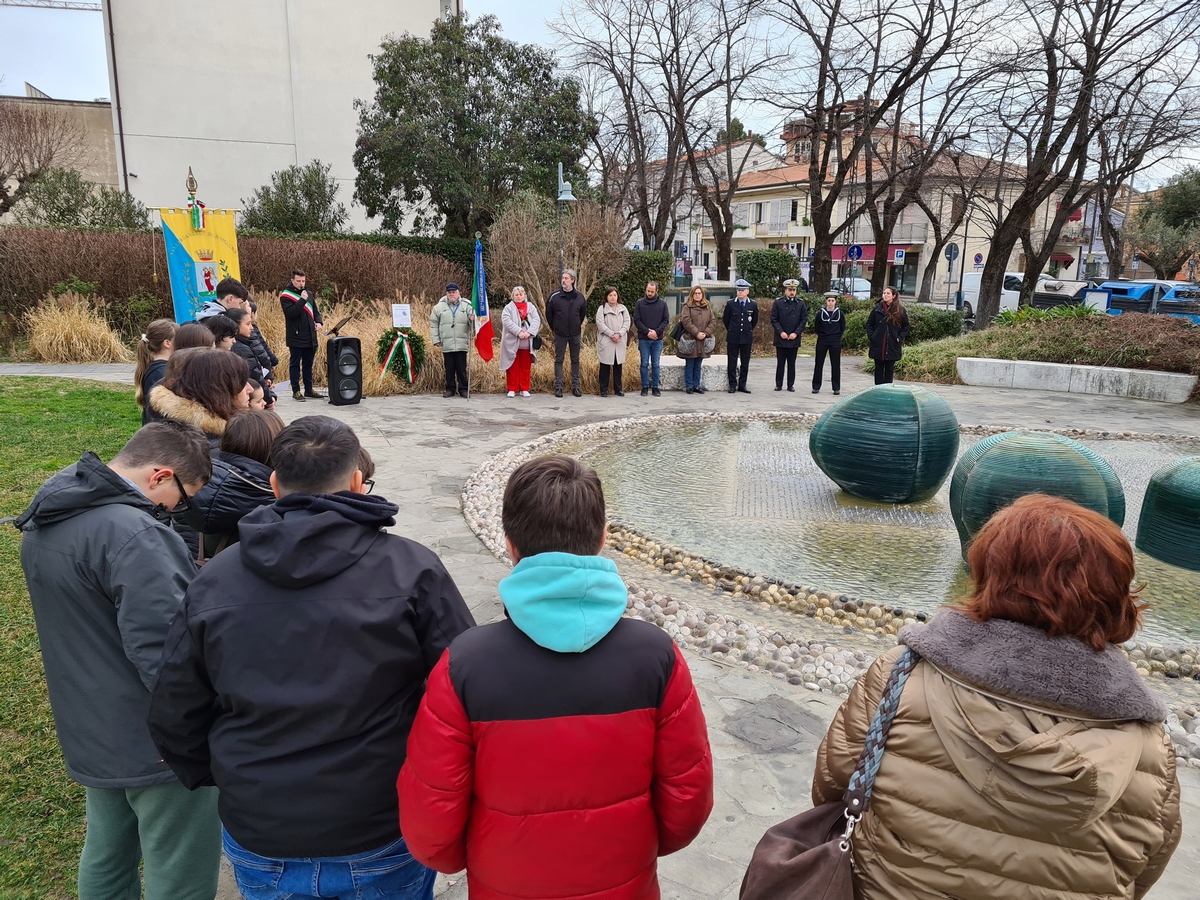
(240, 483)
(887, 327)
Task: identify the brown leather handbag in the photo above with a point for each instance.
(808, 857)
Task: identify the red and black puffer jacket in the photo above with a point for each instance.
(561, 775)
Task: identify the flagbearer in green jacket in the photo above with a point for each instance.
(451, 329)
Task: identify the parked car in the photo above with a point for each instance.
(1010, 294)
(710, 274)
(859, 288)
(1182, 300)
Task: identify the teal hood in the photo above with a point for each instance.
(564, 602)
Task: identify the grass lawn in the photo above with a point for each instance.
(45, 424)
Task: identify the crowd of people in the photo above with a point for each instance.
(318, 702)
(241, 659)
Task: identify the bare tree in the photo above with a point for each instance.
(710, 54)
(1082, 68)
(33, 139)
(864, 57)
(524, 244)
(638, 153)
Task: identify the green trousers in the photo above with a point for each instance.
(173, 832)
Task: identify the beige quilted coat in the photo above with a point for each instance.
(980, 797)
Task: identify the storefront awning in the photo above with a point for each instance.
(868, 253)
(1054, 257)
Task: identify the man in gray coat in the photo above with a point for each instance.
(106, 575)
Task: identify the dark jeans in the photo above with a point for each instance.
(561, 342)
(885, 371)
(693, 372)
(605, 368)
(785, 356)
(835, 365)
(389, 872)
(301, 355)
(456, 370)
(734, 352)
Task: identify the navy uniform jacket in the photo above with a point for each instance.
(740, 319)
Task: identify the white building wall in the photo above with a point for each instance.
(238, 90)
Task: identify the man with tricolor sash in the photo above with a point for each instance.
(303, 324)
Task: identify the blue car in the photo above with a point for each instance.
(1183, 300)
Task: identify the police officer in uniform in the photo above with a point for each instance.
(740, 317)
(789, 315)
(829, 325)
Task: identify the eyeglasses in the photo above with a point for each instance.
(368, 485)
(185, 502)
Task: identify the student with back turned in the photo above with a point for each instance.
(560, 751)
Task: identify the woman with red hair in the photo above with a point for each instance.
(1027, 758)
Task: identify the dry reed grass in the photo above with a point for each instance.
(72, 329)
(372, 318)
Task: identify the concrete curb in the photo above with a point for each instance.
(1166, 387)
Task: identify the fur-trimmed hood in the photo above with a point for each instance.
(1020, 662)
(172, 406)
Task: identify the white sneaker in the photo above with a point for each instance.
(512, 393)
(524, 393)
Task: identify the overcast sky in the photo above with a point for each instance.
(61, 52)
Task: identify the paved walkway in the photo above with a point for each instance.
(425, 447)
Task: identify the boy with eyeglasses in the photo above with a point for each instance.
(106, 575)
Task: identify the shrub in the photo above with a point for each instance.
(929, 324)
(72, 329)
(641, 267)
(460, 251)
(299, 199)
(1009, 317)
(855, 336)
(60, 198)
(766, 270)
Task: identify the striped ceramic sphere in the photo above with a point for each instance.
(1003, 467)
(1169, 526)
(891, 443)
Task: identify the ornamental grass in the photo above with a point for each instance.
(72, 329)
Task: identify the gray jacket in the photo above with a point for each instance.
(105, 576)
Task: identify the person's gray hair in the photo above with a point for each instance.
(570, 272)
(516, 288)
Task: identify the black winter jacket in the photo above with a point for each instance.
(740, 323)
(651, 314)
(788, 317)
(565, 312)
(829, 326)
(238, 486)
(243, 347)
(266, 358)
(293, 671)
(301, 329)
(886, 339)
(154, 375)
(106, 577)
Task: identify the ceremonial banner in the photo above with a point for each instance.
(197, 259)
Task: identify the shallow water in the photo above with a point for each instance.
(751, 496)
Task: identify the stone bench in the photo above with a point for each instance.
(713, 376)
(1168, 387)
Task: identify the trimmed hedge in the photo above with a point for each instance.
(460, 251)
(766, 270)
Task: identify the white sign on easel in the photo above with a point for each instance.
(401, 315)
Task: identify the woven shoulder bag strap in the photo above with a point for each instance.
(858, 793)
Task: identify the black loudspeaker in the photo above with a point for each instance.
(344, 355)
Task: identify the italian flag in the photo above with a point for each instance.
(483, 318)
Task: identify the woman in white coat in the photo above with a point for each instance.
(520, 323)
(612, 326)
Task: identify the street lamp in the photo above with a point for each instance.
(564, 196)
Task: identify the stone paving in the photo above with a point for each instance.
(763, 737)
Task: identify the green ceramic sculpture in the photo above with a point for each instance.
(891, 443)
(1169, 526)
(1003, 467)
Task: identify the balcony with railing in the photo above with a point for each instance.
(1075, 233)
(912, 233)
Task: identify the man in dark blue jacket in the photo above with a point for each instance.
(304, 323)
(651, 318)
(789, 315)
(292, 674)
(740, 317)
(106, 575)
